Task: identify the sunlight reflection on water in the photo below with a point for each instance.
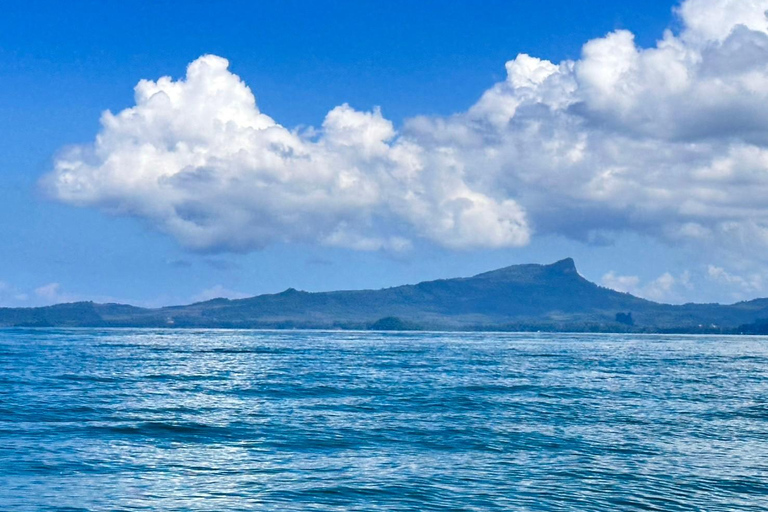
(247, 420)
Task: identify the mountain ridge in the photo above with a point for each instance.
(524, 297)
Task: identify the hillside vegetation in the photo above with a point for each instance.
(520, 297)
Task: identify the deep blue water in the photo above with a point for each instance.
(164, 420)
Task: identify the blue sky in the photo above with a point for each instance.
(425, 64)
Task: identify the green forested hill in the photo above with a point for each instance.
(519, 297)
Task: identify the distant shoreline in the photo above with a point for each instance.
(519, 298)
(367, 331)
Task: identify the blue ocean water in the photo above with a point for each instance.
(164, 420)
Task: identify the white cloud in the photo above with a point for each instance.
(48, 291)
(669, 141)
(626, 284)
(750, 284)
(197, 159)
(217, 292)
(10, 295)
(707, 20)
(51, 293)
(660, 288)
(665, 288)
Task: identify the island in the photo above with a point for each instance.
(527, 297)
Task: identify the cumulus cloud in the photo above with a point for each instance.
(669, 141)
(660, 288)
(743, 284)
(665, 288)
(626, 284)
(198, 160)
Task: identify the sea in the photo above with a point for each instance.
(220, 420)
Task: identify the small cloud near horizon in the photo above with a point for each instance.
(218, 292)
(51, 294)
(664, 288)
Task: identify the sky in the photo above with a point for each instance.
(157, 154)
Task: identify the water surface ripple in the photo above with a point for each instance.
(211, 420)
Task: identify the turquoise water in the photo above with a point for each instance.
(164, 420)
